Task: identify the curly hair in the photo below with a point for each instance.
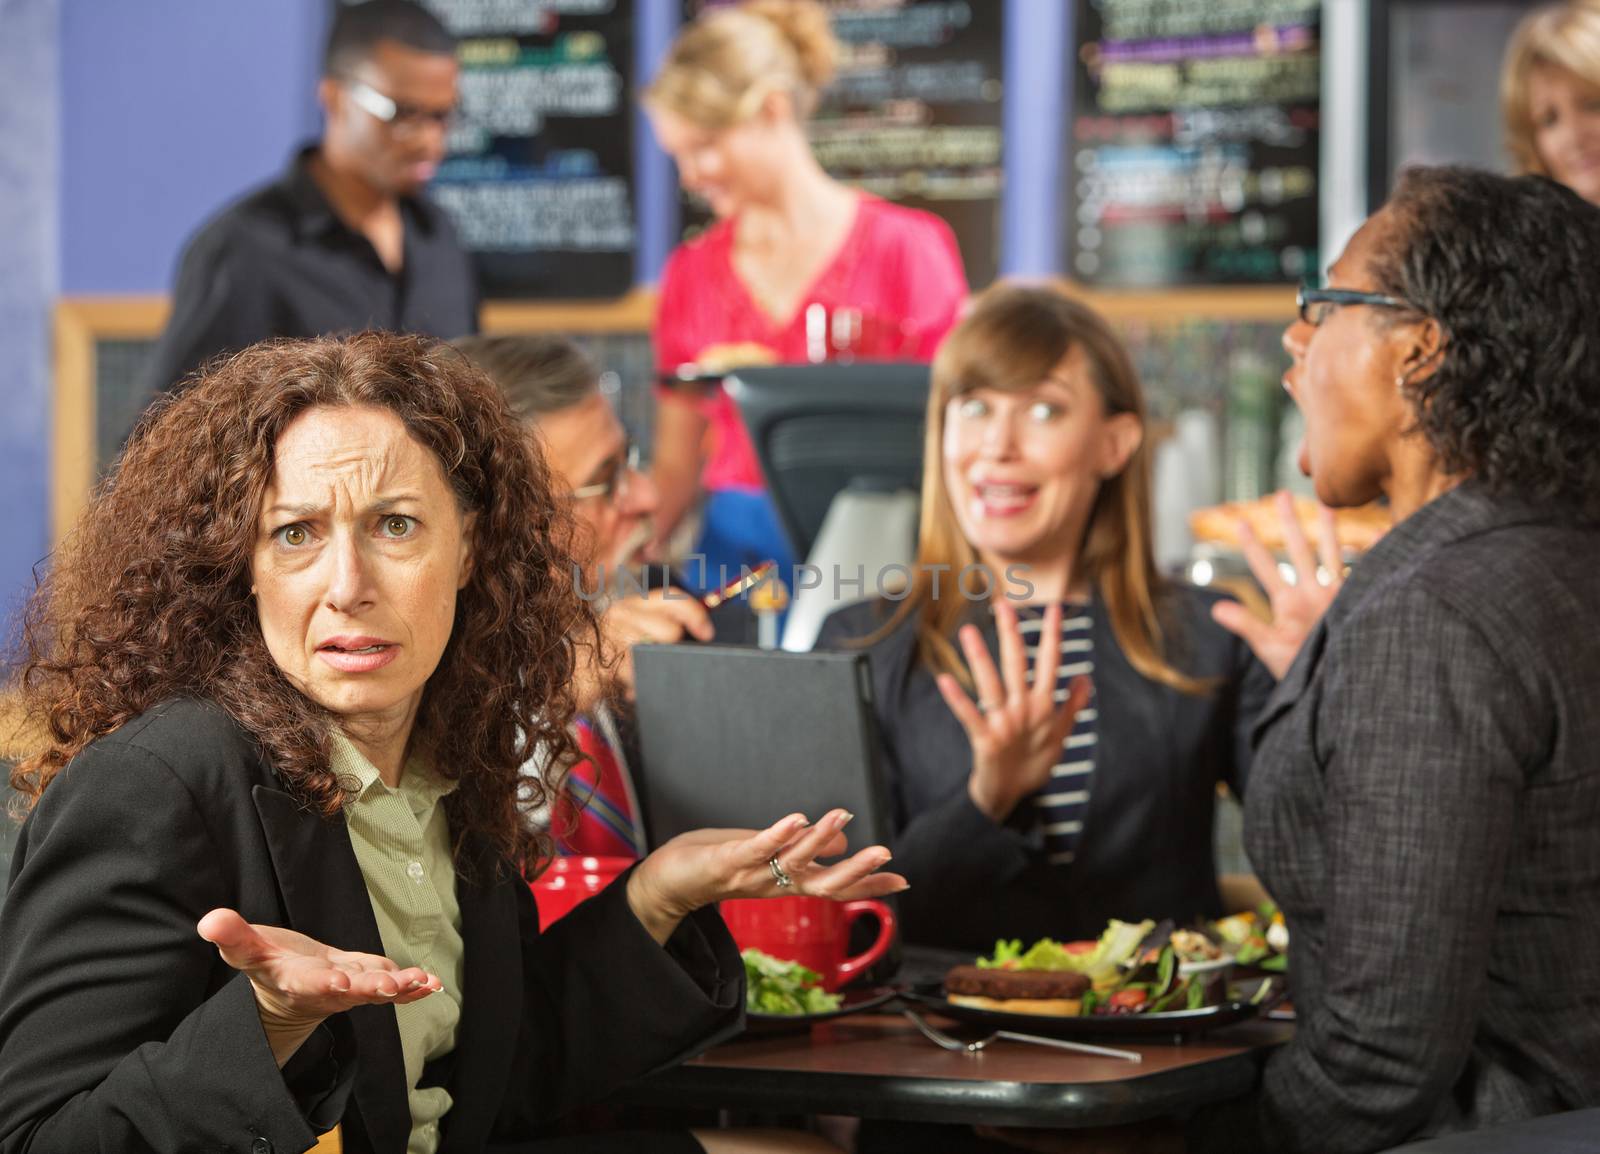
(149, 597)
(1510, 268)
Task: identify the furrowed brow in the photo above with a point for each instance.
(381, 504)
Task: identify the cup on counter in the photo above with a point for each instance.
(570, 880)
(812, 931)
(846, 334)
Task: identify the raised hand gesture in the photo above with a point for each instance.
(298, 981)
(711, 865)
(1016, 729)
(1296, 606)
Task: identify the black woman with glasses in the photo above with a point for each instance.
(344, 240)
(1298, 603)
(1425, 792)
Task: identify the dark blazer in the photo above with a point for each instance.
(1425, 806)
(1146, 848)
(120, 1029)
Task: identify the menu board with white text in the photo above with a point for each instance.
(1193, 142)
(539, 180)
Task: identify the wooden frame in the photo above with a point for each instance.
(634, 313)
(82, 322)
(1265, 303)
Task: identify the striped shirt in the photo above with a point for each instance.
(1062, 804)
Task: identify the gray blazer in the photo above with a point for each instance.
(1425, 806)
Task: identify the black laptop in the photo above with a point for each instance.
(736, 737)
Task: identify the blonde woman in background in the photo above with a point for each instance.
(730, 105)
(1550, 93)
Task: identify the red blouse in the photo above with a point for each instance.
(898, 268)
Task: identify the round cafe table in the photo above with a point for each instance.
(878, 1065)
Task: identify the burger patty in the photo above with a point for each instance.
(996, 983)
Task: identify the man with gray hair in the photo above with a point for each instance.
(555, 388)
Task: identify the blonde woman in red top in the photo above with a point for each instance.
(730, 105)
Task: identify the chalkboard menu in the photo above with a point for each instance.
(1193, 139)
(914, 115)
(540, 176)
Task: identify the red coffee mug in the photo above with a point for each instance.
(812, 931)
(570, 880)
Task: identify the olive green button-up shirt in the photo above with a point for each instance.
(402, 843)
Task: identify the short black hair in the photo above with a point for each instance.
(539, 373)
(357, 28)
(1510, 268)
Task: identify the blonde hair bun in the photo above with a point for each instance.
(723, 64)
(805, 25)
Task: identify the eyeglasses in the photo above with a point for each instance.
(1316, 305)
(402, 119)
(615, 485)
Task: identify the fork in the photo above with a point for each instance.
(946, 1042)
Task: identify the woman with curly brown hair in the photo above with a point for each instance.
(290, 663)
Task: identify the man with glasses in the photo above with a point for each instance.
(344, 240)
(555, 388)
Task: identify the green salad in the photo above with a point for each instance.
(773, 986)
(1257, 938)
(1099, 960)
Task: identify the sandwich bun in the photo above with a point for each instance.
(1053, 992)
(1053, 1007)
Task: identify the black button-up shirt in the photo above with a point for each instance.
(280, 263)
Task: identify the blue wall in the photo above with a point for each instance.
(28, 279)
(165, 110)
(1036, 39)
(122, 125)
(170, 108)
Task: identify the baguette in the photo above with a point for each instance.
(1358, 529)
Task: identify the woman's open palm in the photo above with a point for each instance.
(704, 866)
(1016, 728)
(1297, 605)
(299, 981)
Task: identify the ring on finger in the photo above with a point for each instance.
(779, 874)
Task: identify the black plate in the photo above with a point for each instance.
(1174, 1023)
(855, 1002)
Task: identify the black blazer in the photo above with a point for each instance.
(1146, 848)
(1425, 807)
(121, 1029)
